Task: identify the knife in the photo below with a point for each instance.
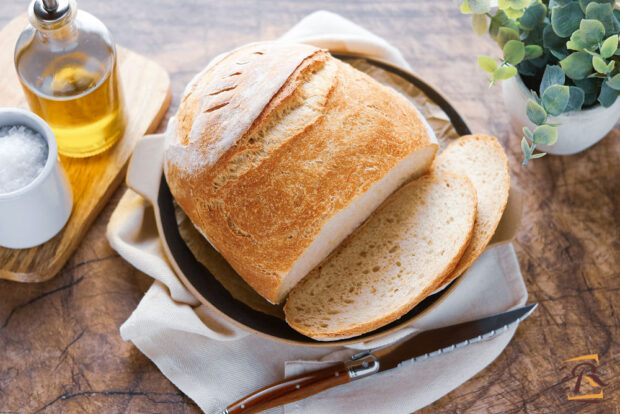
(408, 350)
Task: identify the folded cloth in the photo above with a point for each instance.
(215, 363)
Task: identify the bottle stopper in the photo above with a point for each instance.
(50, 10)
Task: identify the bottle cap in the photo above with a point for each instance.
(48, 14)
(50, 10)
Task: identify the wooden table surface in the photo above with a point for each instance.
(60, 349)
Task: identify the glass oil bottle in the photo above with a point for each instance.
(66, 62)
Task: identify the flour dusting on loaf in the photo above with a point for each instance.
(279, 151)
(232, 82)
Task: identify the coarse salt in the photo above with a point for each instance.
(23, 154)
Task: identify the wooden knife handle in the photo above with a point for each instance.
(291, 389)
(304, 385)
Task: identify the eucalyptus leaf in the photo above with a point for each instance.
(608, 95)
(603, 13)
(577, 41)
(513, 8)
(465, 9)
(565, 19)
(591, 89)
(532, 16)
(559, 54)
(597, 75)
(540, 62)
(577, 65)
(588, 85)
(614, 82)
(506, 34)
(515, 4)
(590, 99)
(535, 112)
(504, 72)
(555, 99)
(609, 47)
(532, 52)
(525, 147)
(487, 63)
(552, 40)
(617, 20)
(545, 135)
(538, 155)
(513, 13)
(479, 6)
(553, 75)
(528, 133)
(599, 65)
(479, 23)
(592, 31)
(611, 66)
(499, 20)
(584, 3)
(573, 45)
(575, 101)
(514, 52)
(526, 68)
(534, 36)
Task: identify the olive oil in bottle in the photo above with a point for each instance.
(66, 62)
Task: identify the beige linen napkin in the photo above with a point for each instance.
(216, 363)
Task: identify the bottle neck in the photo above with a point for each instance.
(61, 35)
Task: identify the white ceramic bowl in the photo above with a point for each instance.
(35, 213)
(578, 131)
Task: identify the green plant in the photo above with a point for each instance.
(566, 52)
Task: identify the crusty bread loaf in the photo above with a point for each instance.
(382, 270)
(279, 151)
(483, 160)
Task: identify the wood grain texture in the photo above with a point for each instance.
(146, 89)
(61, 351)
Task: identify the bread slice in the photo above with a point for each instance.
(400, 255)
(483, 160)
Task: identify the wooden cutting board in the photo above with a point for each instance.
(146, 88)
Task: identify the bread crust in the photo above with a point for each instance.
(396, 313)
(261, 204)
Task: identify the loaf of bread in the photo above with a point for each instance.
(386, 267)
(279, 151)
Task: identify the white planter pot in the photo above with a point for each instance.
(578, 130)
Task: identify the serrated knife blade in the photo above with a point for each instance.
(406, 351)
(439, 341)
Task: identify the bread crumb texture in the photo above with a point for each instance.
(390, 264)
